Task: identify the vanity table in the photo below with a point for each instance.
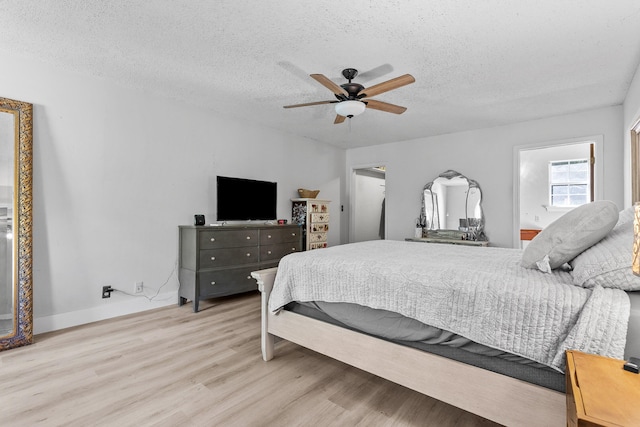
(482, 243)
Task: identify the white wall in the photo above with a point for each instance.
(486, 155)
(116, 170)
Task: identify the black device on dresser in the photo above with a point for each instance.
(217, 261)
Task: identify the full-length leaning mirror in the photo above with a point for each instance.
(452, 208)
(16, 142)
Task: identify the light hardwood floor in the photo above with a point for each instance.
(173, 367)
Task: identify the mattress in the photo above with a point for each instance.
(441, 343)
(405, 331)
(485, 296)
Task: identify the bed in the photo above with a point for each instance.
(480, 298)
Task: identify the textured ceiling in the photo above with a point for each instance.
(476, 63)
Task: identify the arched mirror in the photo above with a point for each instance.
(452, 208)
(16, 142)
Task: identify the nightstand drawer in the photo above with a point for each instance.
(214, 258)
(228, 238)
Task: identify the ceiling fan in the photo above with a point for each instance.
(353, 98)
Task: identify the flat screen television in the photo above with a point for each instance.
(242, 199)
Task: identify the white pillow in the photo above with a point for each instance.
(565, 238)
(608, 262)
(625, 216)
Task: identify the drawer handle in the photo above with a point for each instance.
(268, 252)
(213, 258)
(213, 283)
(213, 239)
(293, 249)
(249, 277)
(248, 254)
(248, 237)
(269, 236)
(293, 234)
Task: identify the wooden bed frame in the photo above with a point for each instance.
(497, 397)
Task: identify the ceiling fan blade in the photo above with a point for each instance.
(374, 73)
(326, 82)
(309, 103)
(339, 119)
(385, 106)
(386, 86)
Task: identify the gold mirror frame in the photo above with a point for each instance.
(22, 204)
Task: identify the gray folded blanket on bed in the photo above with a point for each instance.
(482, 294)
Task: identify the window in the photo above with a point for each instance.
(569, 183)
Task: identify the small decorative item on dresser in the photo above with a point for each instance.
(308, 194)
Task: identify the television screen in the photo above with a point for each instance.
(242, 199)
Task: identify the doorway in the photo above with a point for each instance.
(537, 202)
(368, 220)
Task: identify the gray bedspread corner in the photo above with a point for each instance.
(482, 294)
(596, 329)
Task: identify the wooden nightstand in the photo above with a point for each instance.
(600, 392)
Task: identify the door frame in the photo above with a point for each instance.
(635, 162)
(598, 169)
(353, 195)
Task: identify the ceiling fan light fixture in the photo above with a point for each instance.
(350, 108)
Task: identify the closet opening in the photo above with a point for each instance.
(368, 221)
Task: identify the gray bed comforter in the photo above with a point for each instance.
(482, 294)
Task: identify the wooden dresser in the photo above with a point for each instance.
(313, 216)
(600, 392)
(217, 261)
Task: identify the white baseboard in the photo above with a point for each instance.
(117, 305)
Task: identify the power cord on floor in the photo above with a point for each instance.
(153, 298)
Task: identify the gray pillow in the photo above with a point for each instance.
(565, 238)
(608, 262)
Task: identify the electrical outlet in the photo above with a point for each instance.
(138, 287)
(106, 291)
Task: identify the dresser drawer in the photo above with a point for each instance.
(214, 258)
(317, 237)
(212, 239)
(319, 217)
(273, 252)
(318, 207)
(226, 282)
(276, 235)
(319, 227)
